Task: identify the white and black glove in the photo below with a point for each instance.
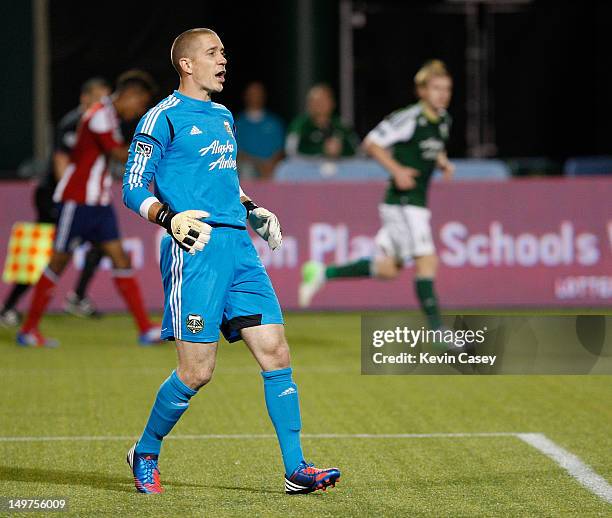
(265, 223)
(185, 227)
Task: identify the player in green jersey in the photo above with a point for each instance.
(410, 143)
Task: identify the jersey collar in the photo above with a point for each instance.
(430, 115)
(192, 101)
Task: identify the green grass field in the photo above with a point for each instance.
(100, 384)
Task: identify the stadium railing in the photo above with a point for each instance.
(361, 169)
(588, 165)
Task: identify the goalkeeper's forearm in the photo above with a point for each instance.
(154, 211)
(243, 197)
(247, 202)
(142, 202)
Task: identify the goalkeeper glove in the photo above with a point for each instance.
(185, 227)
(265, 223)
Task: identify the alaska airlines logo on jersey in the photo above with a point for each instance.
(431, 148)
(216, 148)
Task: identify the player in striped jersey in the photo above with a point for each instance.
(78, 304)
(85, 211)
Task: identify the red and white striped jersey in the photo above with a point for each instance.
(86, 179)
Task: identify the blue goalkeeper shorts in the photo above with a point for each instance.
(222, 288)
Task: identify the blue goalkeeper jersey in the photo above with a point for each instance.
(189, 148)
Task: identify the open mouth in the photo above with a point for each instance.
(220, 76)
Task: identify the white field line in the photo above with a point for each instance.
(570, 463)
(198, 437)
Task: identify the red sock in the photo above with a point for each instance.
(42, 295)
(130, 291)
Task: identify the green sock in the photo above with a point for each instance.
(429, 303)
(359, 268)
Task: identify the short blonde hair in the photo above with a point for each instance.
(431, 68)
(183, 45)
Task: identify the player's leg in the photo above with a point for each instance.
(92, 261)
(268, 345)
(315, 274)
(195, 366)
(360, 268)
(194, 297)
(425, 273)
(425, 263)
(253, 313)
(384, 265)
(8, 314)
(105, 231)
(77, 302)
(29, 334)
(129, 289)
(196, 363)
(67, 237)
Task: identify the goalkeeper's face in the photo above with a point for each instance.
(208, 63)
(437, 92)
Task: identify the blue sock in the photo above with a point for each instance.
(171, 402)
(284, 411)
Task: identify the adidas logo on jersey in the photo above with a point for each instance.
(195, 131)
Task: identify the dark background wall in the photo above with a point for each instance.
(259, 38)
(551, 82)
(397, 39)
(15, 84)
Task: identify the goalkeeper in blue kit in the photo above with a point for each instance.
(213, 279)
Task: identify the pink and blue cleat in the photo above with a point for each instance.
(145, 471)
(306, 479)
(34, 338)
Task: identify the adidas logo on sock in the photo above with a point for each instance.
(288, 391)
(195, 130)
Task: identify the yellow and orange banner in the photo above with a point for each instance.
(29, 250)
